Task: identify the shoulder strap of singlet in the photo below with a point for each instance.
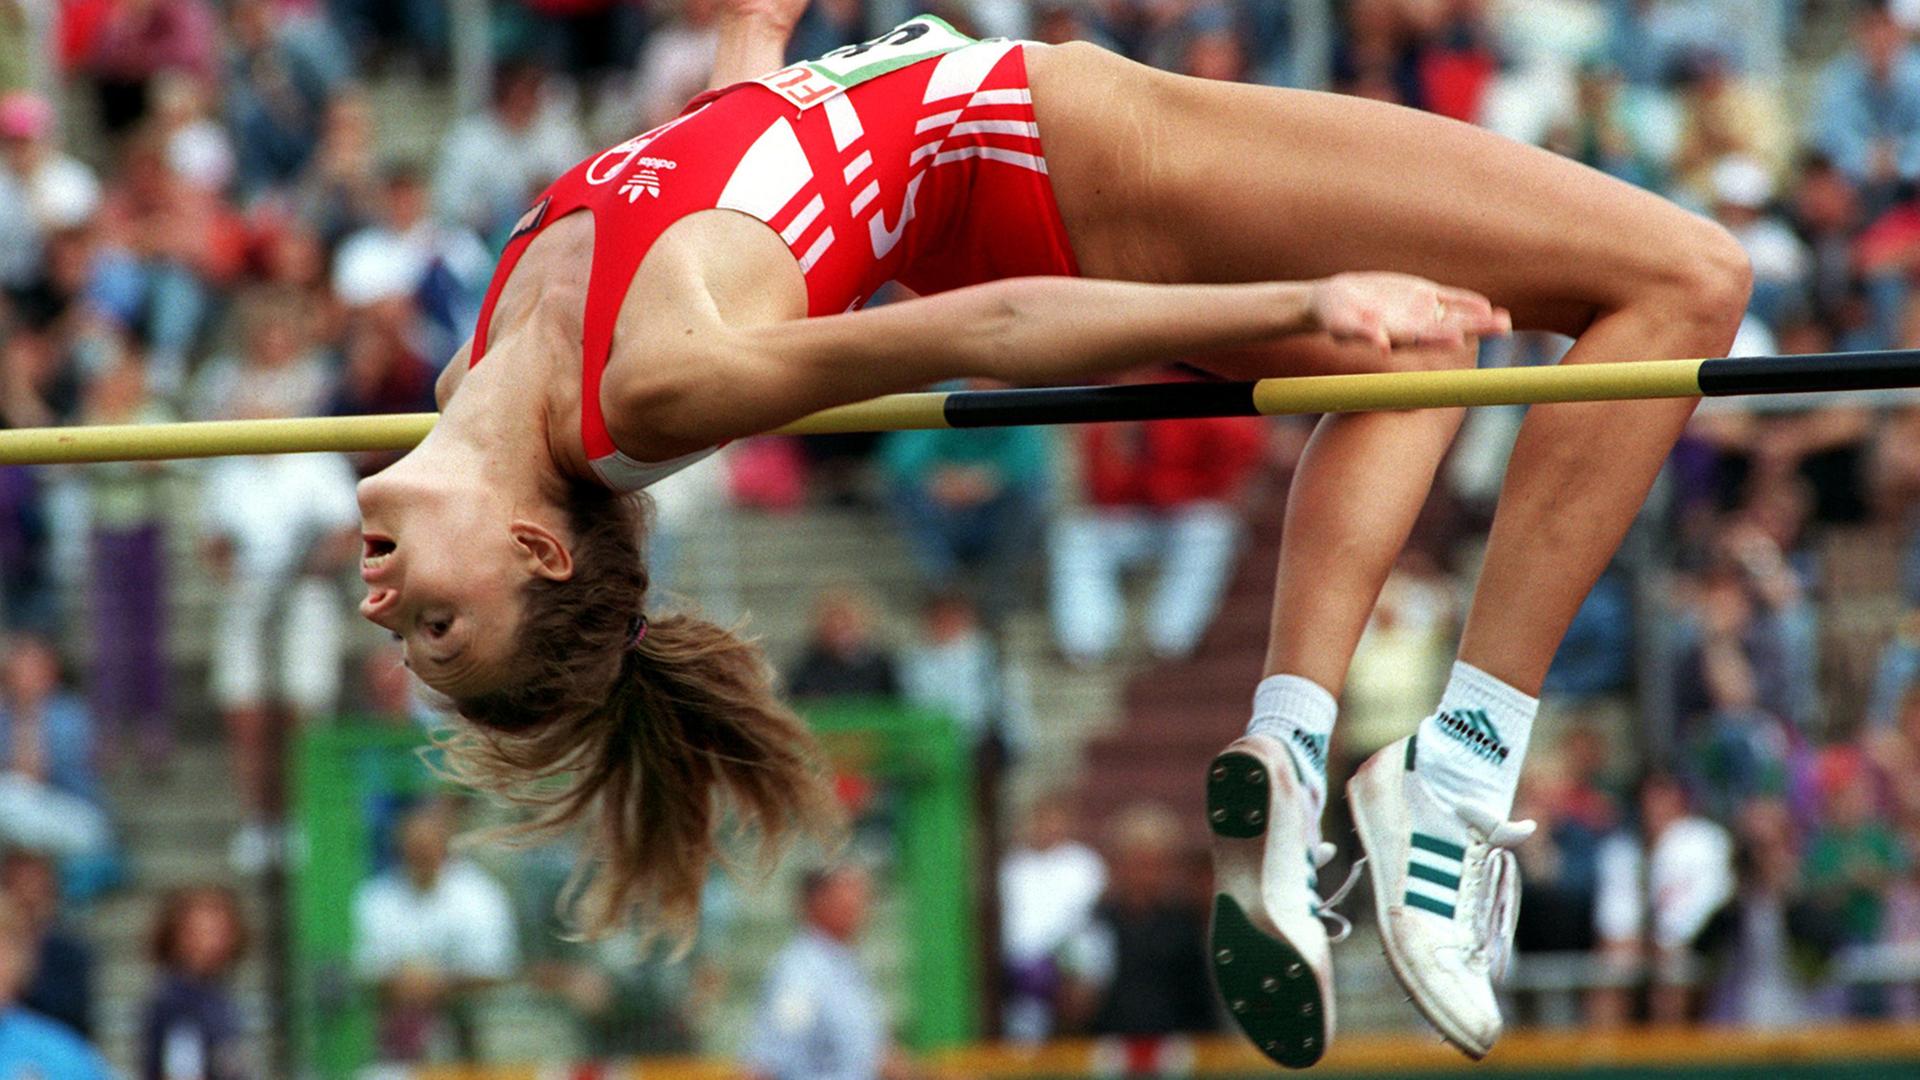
(524, 231)
(615, 259)
(620, 243)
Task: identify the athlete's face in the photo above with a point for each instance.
(445, 568)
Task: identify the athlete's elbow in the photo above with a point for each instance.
(1000, 336)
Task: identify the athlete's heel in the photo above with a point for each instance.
(1239, 791)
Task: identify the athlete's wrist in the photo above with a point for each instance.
(1290, 303)
(757, 24)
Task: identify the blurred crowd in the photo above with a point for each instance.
(235, 209)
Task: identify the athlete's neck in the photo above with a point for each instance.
(515, 419)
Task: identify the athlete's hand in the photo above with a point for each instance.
(1400, 310)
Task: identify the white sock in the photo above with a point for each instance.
(1300, 713)
(1471, 748)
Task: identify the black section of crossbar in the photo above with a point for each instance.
(1091, 404)
(1812, 373)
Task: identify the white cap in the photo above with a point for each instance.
(1739, 180)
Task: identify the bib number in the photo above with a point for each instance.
(810, 82)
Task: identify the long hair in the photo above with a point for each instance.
(651, 745)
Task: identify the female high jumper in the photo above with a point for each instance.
(1066, 214)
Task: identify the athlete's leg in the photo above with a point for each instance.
(1166, 178)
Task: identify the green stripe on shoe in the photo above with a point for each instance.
(1439, 847)
(1438, 877)
(1443, 910)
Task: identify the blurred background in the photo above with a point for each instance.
(223, 857)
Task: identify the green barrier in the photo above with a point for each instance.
(342, 775)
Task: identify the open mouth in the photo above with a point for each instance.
(375, 551)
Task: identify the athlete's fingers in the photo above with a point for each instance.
(1490, 321)
(1464, 299)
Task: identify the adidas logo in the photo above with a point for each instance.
(644, 182)
(1474, 731)
(1314, 747)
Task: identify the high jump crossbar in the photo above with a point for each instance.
(1634, 380)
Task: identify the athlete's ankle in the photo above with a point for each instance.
(1300, 714)
(1470, 750)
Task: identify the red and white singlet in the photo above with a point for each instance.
(912, 157)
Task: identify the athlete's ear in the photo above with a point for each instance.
(541, 551)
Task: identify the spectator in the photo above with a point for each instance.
(491, 165)
(49, 792)
(829, 24)
(412, 33)
(625, 999)
(1775, 932)
(197, 148)
(1611, 130)
(408, 258)
(127, 511)
(169, 246)
(1742, 190)
(31, 1045)
(62, 985)
(630, 1003)
(1404, 656)
(970, 499)
(1727, 116)
(1894, 749)
(191, 1028)
(26, 588)
(1853, 856)
(1161, 494)
(820, 1015)
(42, 190)
(1653, 40)
(1866, 114)
(278, 532)
(283, 67)
(1751, 624)
(954, 668)
(1827, 212)
(340, 191)
(675, 65)
(139, 40)
(428, 937)
(1659, 887)
(1142, 967)
(841, 657)
(1049, 885)
(590, 39)
(1561, 866)
(278, 372)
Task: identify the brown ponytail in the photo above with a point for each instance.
(646, 743)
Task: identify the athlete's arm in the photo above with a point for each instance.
(1026, 330)
(753, 39)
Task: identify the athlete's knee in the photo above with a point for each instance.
(1721, 276)
(1704, 277)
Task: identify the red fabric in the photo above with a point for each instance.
(1456, 82)
(170, 35)
(931, 174)
(1170, 463)
(1891, 240)
(80, 25)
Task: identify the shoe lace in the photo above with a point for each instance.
(1492, 894)
(1341, 926)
